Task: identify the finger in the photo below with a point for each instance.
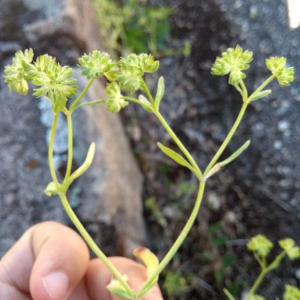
(15, 268)
(9, 292)
(98, 277)
(80, 292)
(48, 262)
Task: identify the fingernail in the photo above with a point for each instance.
(56, 285)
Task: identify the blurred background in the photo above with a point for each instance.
(133, 195)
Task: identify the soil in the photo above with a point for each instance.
(257, 193)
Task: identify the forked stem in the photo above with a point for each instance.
(264, 272)
(177, 243)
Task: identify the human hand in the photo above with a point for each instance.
(51, 262)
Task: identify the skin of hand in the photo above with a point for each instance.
(52, 262)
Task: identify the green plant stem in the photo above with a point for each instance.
(133, 100)
(177, 243)
(148, 92)
(89, 104)
(71, 213)
(257, 284)
(227, 293)
(50, 149)
(239, 90)
(172, 134)
(178, 142)
(93, 245)
(228, 138)
(245, 92)
(246, 101)
(263, 273)
(261, 87)
(81, 94)
(70, 144)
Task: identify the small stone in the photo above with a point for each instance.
(283, 126)
(253, 12)
(230, 217)
(294, 202)
(9, 199)
(213, 201)
(297, 274)
(278, 144)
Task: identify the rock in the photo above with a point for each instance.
(213, 201)
(108, 196)
(8, 48)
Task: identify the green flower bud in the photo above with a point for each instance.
(51, 189)
(292, 251)
(277, 67)
(114, 101)
(133, 68)
(260, 244)
(16, 74)
(291, 293)
(147, 63)
(44, 62)
(98, 64)
(233, 62)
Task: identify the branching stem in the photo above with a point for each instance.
(228, 138)
(264, 272)
(74, 104)
(178, 242)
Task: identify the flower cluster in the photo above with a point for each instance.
(133, 68)
(233, 62)
(260, 244)
(98, 64)
(127, 74)
(277, 67)
(53, 80)
(16, 75)
(292, 251)
(291, 293)
(114, 101)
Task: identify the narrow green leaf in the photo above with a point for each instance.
(174, 155)
(116, 288)
(145, 103)
(82, 169)
(236, 154)
(160, 92)
(261, 94)
(216, 168)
